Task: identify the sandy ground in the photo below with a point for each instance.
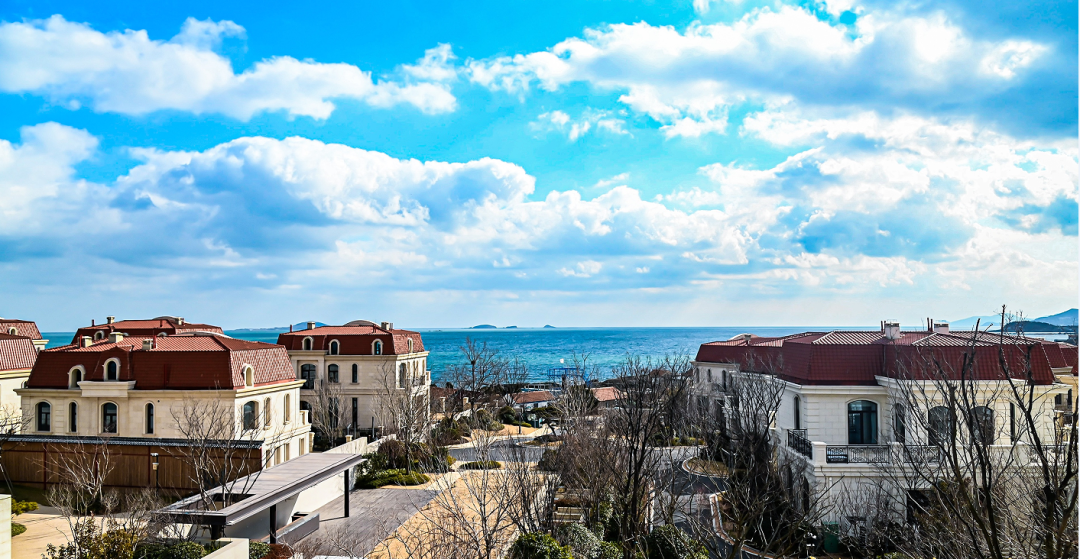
(43, 527)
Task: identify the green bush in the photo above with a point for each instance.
(538, 546)
(20, 507)
(173, 550)
(258, 550)
(670, 542)
(450, 431)
(582, 542)
(391, 477)
(607, 550)
(17, 529)
(482, 465)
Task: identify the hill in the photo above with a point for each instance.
(1037, 327)
(1066, 318)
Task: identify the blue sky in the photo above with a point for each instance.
(576, 163)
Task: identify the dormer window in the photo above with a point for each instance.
(376, 348)
(112, 370)
(99, 335)
(12, 331)
(409, 343)
(307, 343)
(75, 376)
(249, 376)
(334, 346)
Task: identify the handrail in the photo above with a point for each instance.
(857, 454)
(797, 441)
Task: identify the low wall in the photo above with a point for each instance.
(236, 548)
(355, 446)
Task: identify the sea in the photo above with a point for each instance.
(545, 350)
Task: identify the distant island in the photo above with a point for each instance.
(548, 326)
(510, 327)
(1037, 327)
(483, 327)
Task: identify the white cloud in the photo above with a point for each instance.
(584, 269)
(686, 81)
(590, 119)
(435, 66)
(127, 72)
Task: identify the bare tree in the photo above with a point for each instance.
(404, 409)
(12, 422)
(328, 417)
(481, 376)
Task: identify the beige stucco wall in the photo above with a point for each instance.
(235, 548)
(5, 526)
(10, 381)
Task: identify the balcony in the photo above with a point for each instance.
(797, 441)
(922, 454)
(857, 454)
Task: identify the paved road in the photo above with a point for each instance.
(374, 515)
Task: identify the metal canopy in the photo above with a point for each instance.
(268, 488)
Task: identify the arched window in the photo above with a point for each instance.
(797, 410)
(355, 373)
(73, 417)
(251, 415)
(307, 344)
(12, 331)
(981, 420)
(332, 373)
(899, 424)
(376, 348)
(708, 375)
(307, 374)
(99, 335)
(249, 375)
(401, 376)
(149, 419)
(334, 346)
(267, 415)
(862, 422)
(288, 408)
(44, 416)
(409, 343)
(112, 369)
(942, 428)
(75, 377)
(108, 417)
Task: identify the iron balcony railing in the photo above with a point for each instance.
(857, 454)
(797, 441)
(922, 454)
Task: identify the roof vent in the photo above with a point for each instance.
(747, 337)
(310, 325)
(110, 319)
(387, 326)
(148, 344)
(891, 328)
(116, 337)
(180, 320)
(941, 327)
(86, 341)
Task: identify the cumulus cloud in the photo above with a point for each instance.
(590, 120)
(687, 80)
(128, 72)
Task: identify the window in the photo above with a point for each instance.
(355, 373)
(288, 408)
(376, 348)
(251, 415)
(334, 346)
(305, 407)
(798, 413)
(409, 343)
(112, 368)
(401, 376)
(249, 376)
(307, 344)
(73, 417)
(899, 425)
(75, 377)
(149, 419)
(332, 373)
(307, 374)
(862, 422)
(982, 425)
(708, 375)
(12, 331)
(1012, 423)
(99, 335)
(355, 412)
(44, 416)
(108, 417)
(941, 426)
(267, 415)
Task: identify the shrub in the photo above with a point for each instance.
(174, 550)
(607, 550)
(391, 477)
(482, 465)
(20, 507)
(547, 461)
(538, 546)
(17, 529)
(583, 543)
(670, 542)
(258, 550)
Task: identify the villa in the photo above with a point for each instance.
(844, 407)
(160, 326)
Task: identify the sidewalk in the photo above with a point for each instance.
(510, 434)
(43, 527)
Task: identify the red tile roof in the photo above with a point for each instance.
(180, 362)
(354, 340)
(17, 353)
(22, 328)
(857, 357)
(533, 397)
(149, 327)
(606, 394)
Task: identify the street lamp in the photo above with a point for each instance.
(157, 473)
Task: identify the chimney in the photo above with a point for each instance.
(310, 325)
(941, 327)
(110, 319)
(891, 329)
(387, 326)
(746, 338)
(116, 337)
(290, 327)
(92, 322)
(86, 341)
(147, 345)
(180, 320)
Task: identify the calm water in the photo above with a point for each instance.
(542, 349)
